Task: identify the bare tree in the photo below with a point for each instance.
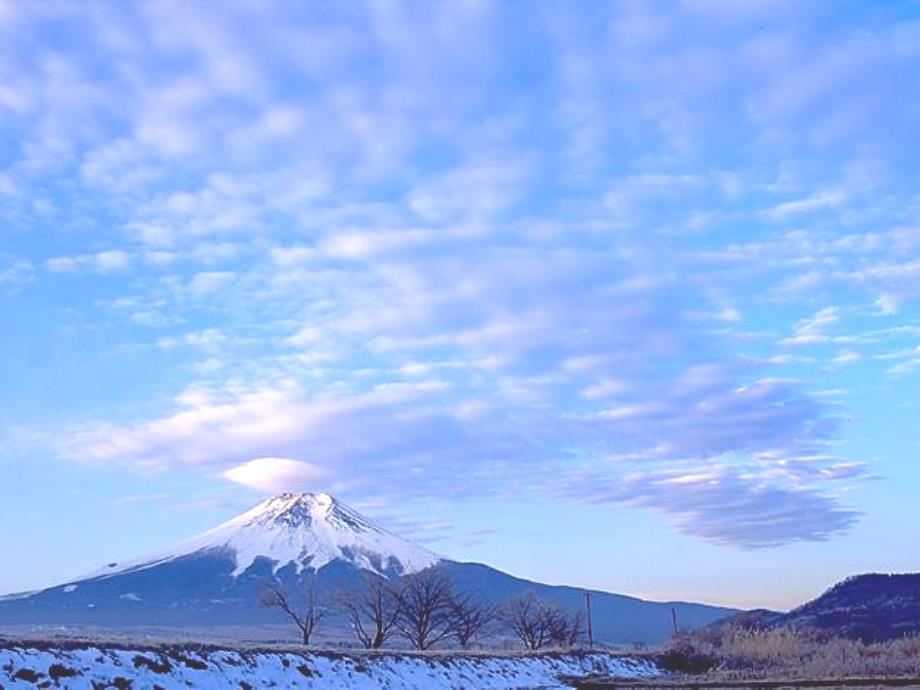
(566, 631)
(538, 624)
(472, 618)
(523, 617)
(305, 616)
(427, 615)
(372, 610)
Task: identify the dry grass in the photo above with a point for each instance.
(739, 653)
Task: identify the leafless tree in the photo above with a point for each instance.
(305, 615)
(472, 618)
(565, 630)
(372, 609)
(427, 615)
(523, 617)
(538, 624)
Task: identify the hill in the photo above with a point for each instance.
(871, 607)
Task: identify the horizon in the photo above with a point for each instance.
(623, 296)
(153, 558)
(284, 494)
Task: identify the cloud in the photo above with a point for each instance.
(887, 304)
(273, 475)
(109, 261)
(441, 261)
(207, 339)
(210, 281)
(478, 189)
(424, 437)
(815, 202)
(726, 504)
(16, 274)
(811, 331)
(140, 498)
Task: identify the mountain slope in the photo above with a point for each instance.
(869, 607)
(616, 618)
(215, 579)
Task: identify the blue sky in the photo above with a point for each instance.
(617, 294)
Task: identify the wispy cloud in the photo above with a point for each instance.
(101, 262)
(16, 274)
(407, 250)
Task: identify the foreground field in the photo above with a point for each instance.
(92, 665)
(737, 657)
(775, 684)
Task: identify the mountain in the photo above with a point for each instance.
(216, 578)
(301, 531)
(870, 607)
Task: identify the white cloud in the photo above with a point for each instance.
(604, 389)
(813, 331)
(16, 273)
(206, 339)
(109, 261)
(207, 282)
(476, 190)
(887, 304)
(815, 202)
(846, 357)
(112, 260)
(276, 474)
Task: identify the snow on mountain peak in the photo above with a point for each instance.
(291, 510)
(308, 530)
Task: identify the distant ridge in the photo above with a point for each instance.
(873, 607)
(870, 607)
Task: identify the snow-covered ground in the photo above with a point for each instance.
(92, 665)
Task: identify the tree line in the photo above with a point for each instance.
(425, 609)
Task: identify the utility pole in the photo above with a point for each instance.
(590, 631)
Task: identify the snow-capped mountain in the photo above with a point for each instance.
(303, 530)
(214, 581)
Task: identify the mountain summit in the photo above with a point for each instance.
(303, 530)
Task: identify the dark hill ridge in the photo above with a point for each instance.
(215, 579)
(871, 607)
